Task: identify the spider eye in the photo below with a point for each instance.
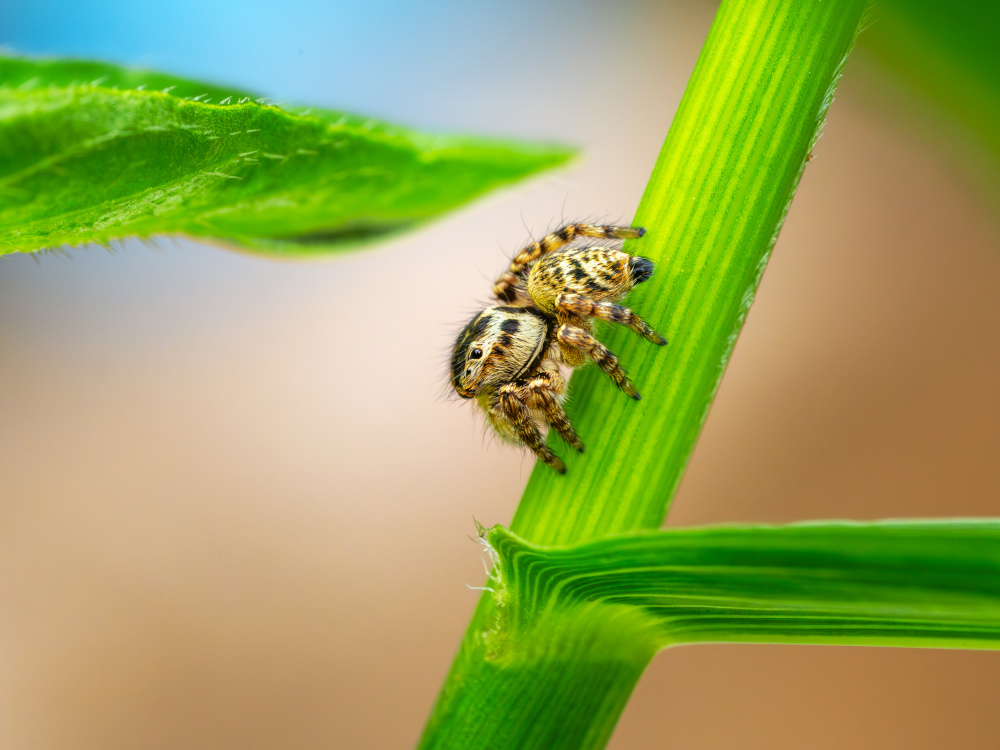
(476, 353)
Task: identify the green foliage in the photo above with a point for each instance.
(572, 628)
(900, 583)
(90, 152)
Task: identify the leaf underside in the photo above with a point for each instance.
(90, 152)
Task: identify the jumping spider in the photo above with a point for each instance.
(508, 356)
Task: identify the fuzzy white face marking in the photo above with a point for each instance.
(496, 347)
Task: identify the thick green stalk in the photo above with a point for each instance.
(713, 207)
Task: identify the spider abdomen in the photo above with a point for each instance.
(600, 273)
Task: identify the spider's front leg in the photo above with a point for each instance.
(542, 392)
(510, 408)
(569, 305)
(507, 285)
(578, 339)
(514, 404)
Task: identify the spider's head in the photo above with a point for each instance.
(497, 346)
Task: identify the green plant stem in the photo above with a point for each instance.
(565, 690)
(713, 208)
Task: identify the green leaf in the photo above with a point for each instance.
(91, 152)
(897, 583)
(570, 629)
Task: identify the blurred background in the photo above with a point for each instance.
(235, 510)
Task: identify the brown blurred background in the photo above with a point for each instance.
(234, 510)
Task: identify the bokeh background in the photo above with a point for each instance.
(235, 510)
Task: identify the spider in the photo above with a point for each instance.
(508, 356)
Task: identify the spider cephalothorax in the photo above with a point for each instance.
(508, 355)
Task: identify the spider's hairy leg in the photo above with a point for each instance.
(508, 283)
(577, 338)
(579, 305)
(511, 408)
(542, 392)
